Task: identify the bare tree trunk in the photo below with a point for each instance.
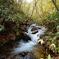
(35, 2)
(35, 8)
(54, 2)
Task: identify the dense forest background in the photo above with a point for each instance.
(42, 12)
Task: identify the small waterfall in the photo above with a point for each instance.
(29, 46)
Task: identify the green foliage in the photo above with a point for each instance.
(9, 10)
(54, 16)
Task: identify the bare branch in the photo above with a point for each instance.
(54, 2)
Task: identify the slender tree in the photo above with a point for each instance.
(54, 2)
